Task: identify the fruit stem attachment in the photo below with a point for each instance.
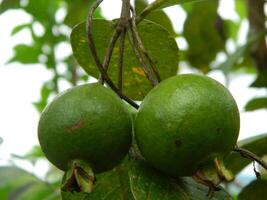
(79, 178)
(251, 156)
(211, 174)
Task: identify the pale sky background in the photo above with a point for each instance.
(20, 85)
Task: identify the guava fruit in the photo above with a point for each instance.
(86, 128)
(186, 122)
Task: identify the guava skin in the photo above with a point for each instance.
(184, 121)
(89, 123)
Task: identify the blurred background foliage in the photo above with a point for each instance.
(206, 34)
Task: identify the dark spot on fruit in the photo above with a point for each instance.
(178, 142)
(78, 125)
(219, 130)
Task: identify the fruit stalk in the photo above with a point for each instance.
(251, 156)
(94, 53)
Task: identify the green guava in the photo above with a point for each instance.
(87, 127)
(185, 122)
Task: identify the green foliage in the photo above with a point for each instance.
(257, 103)
(18, 184)
(135, 180)
(26, 54)
(204, 23)
(255, 190)
(157, 16)
(135, 83)
(206, 34)
(149, 184)
(256, 144)
(9, 4)
(234, 59)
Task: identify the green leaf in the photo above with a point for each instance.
(261, 80)
(19, 28)
(256, 103)
(112, 185)
(166, 3)
(157, 16)
(73, 17)
(43, 10)
(160, 45)
(241, 8)
(257, 144)
(256, 190)
(26, 54)
(33, 155)
(35, 191)
(147, 183)
(46, 90)
(205, 34)
(233, 59)
(18, 184)
(9, 4)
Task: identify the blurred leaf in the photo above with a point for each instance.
(241, 8)
(257, 144)
(20, 28)
(17, 184)
(9, 4)
(166, 3)
(26, 54)
(43, 10)
(204, 32)
(37, 191)
(82, 6)
(33, 155)
(232, 29)
(147, 183)
(1, 140)
(256, 190)
(112, 185)
(233, 59)
(157, 16)
(261, 80)
(256, 103)
(160, 45)
(46, 90)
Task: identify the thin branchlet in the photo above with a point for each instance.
(142, 47)
(251, 156)
(99, 65)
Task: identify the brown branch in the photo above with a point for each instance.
(99, 65)
(120, 61)
(256, 17)
(142, 47)
(109, 52)
(251, 156)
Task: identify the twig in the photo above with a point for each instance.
(99, 65)
(142, 47)
(251, 156)
(258, 175)
(120, 61)
(109, 52)
(148, 10)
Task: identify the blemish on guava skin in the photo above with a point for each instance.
(178, 142)
(78, 125)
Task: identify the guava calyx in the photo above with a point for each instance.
(211, 174)
(79, 177)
